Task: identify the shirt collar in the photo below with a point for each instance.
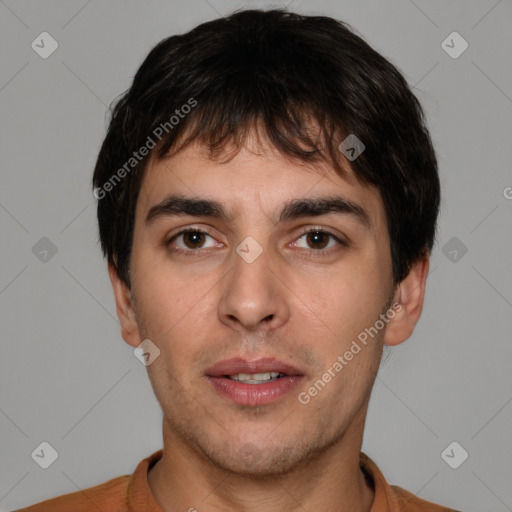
(141, 498)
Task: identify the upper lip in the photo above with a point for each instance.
(240, 365)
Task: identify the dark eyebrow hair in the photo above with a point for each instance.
(178, 205)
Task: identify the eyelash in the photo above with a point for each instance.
(200, 252)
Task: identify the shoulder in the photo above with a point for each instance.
(408, 502)
(109, 496)
(392, 498)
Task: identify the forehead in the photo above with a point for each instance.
(256, 178)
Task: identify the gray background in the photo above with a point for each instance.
(67, 377)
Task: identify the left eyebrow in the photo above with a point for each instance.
(313, 207)
(178, 205)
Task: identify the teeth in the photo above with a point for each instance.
(254, 378)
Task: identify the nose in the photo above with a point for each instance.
(254, 294)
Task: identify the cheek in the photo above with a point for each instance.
(162, 293)
(172, 310)
(347, 302)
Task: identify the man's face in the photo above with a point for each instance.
(293, 308)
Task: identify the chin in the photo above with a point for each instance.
(256, 461)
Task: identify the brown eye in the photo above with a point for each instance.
(190, 241)
(318, 239)
(193, 239)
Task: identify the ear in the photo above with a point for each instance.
(409, 295)
(125, 309)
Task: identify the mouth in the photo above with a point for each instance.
(253, 383)
(255, 378)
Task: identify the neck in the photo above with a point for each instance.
(183, 480)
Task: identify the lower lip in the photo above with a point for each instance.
(254, 394)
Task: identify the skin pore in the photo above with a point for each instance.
(303, 301)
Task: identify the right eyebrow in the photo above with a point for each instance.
(176, 205)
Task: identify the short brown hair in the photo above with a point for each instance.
(281, 69)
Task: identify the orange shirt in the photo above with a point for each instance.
(131, 493)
